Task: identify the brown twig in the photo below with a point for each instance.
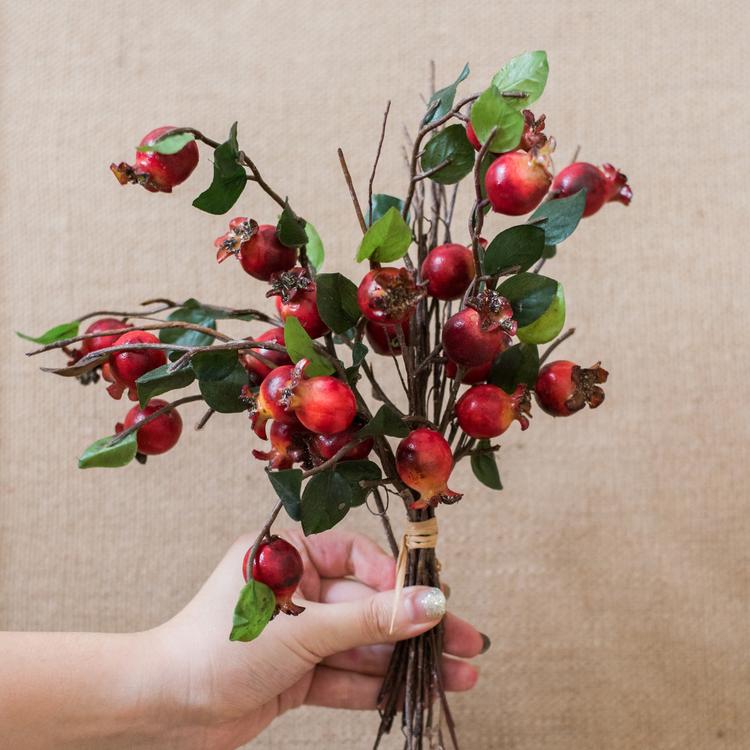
(377, 158)
(555, 344)
(155, 415)
(352, 191)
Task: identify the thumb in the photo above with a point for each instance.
(332, 628)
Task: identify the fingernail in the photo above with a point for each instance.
(446, 590)
(427, 604)
(486, 643)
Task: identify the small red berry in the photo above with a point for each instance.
(323, 404)
(270, 401)
(517, 181)
(262, 255)
(384, 339)
(127, 366)
(158, 435)
(287, 446)
(296, 296)
(279, 566)
(448, 270)
(601, 185)
(479, 373)
(474, 335)
(102, 342)
(256, 369)
(486, 411)
(424, 462)
(563, 388)
(158, 172)
(388, 295)
(327, 446)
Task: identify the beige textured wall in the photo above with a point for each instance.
(612, 574)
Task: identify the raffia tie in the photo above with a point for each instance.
(418, 535)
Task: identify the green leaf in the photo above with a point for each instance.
(253, 611)
(359, 352)
(521, 245)
(550, 251)
(224, 395)
(58, 333)
(169, 143)
(530, 294)
(549, 325)
(561, 217)
(356, 471)
(314, 249)
(158, 381)
(442, 100)
(101, 454)
(183, 337)
(219, 313)
(528, 73)
(291, 230)
(213, 366)
(450, 144)
(385, 422)
(229, 178)
(299, 345)
(380, 205)
(484, 467)
(287, 484)
(336, 298)
(492, 110)
(517, 364)
(325, 501)
(387, 239)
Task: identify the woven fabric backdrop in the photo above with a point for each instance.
(612, 573)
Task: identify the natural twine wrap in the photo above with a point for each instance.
(418, 535)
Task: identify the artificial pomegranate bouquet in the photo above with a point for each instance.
(447, 314)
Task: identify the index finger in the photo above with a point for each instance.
(337, 553)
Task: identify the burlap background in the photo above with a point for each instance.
(612, 573)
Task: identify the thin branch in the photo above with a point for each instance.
(555, 344)
(430, 172)
(264, 532)
(352, 191)
(377, 158)
(204, 419)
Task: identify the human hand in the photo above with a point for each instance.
(223, 693)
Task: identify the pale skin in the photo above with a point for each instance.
(185, 685)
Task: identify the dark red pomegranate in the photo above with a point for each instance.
(263, 255)
(601, 185)
(563, 387)
(479, 373)
(271, 400)
(486, 411)
(517, 181)
(384, 339)
(278, 565)
(325, 447)
(388, 295)
(287, 446)
(256, 369)
(158, 435)
(125, 367)
(448, 270)
(102, 342)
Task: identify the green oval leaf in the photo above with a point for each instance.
(386, 421)
(559, 217)
(58, 333)
(380, 205)
(325, 501)
(214, 366)
(229, 178)
(183, 337)
(158, 381)
(336, 297)
(314, 249)
(252, 612)
(290, 228)
(287, 484)
(451, 145)
(484, 466)
(354, 472)
(493, 110)
(521, 246)
(527, 72)
(517, 364)
(224, 395)
(387, 239)
(101, 454)
(530, 294)
(442, 100)
(169, 143)
(549, 325)
(299, 345)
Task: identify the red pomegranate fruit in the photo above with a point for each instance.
(517, 181)
(158, 435)
(388, 295)
(278, 565)
(448, 270)
(601, 185)
(563, 387)
(125, 367)
(486, 411)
